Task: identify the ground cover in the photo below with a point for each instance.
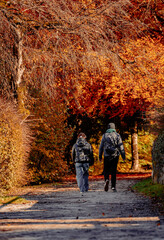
(152, 190)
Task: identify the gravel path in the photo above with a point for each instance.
(63, 213)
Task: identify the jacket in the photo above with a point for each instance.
(115, 140)
(82, 152)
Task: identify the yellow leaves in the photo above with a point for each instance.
(14, 145)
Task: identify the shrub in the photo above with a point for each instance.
(52, 136)
(14, 146)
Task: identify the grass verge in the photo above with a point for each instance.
(152, 190)
(4, 200)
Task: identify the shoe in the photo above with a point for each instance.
(106, 187)
(114, 189)
(86, 190)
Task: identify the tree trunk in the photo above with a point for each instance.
(134, 147)
(20, 87)
(157, 159)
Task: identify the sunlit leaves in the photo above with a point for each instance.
(137, 88)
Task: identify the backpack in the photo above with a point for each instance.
(82, 154)
(110, 148)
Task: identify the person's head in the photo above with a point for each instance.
(82, 135)
(111, 126)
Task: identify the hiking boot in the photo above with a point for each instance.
(106, 187)
(114, 189)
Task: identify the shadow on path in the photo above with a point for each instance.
(65, 214)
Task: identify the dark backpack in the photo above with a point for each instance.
(82, 154)
(110, 148)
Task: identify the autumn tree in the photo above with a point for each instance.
(64, 31)
(51, 44)
(47, 44)
(125, 95)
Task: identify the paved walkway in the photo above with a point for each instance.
(62, 213)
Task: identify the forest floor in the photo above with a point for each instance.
(61, 212)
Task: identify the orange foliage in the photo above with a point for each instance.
(124, 93)
(150, 13)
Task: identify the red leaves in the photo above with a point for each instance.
(129, 92)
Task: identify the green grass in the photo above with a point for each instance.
(152, 190)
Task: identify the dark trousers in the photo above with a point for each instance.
(110, 167)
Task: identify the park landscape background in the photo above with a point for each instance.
(71, 66)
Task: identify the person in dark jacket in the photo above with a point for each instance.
(112, 146)
(82, 155)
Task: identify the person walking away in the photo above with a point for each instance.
(82, 156)
(112, 146)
